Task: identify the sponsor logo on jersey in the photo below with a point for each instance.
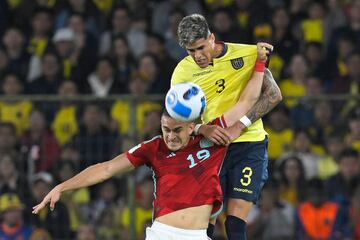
(205, 143)
(172, 154)
(237, 63)
(202, 73)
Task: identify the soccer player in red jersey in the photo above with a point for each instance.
(186, 169)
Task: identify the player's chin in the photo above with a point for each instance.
(174, 146)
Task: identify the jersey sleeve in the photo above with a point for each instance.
(142, 153)
(220, 121)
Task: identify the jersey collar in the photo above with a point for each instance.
(224, 51)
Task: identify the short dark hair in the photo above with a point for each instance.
(192, 28)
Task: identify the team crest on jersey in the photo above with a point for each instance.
(205, 143)
(237, 63)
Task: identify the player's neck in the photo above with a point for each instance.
(219, 49)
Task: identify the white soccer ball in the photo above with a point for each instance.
(185, 102)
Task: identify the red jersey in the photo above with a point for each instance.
(185, 178)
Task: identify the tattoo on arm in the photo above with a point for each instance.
(269, 98)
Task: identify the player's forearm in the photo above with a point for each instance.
(97, 173)
(269, 98)
(247, 99)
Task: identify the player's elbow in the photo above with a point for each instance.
(278, 96)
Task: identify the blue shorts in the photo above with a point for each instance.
(244, 171)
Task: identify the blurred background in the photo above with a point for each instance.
(82, 81)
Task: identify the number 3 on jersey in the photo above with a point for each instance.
(221, 85)
(201, 156)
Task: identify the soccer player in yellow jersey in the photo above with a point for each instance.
(222, 70)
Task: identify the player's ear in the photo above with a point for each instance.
(212, 38)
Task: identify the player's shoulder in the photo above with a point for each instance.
(240, 50)
(183, 70)
(155, 140)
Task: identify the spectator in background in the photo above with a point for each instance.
(124, 62)
(272, 218)
(346, 44)
(291, 176)
(41, 24)
(280, 133)
(9, 142)
(41, 146)
(50, 78)
(148, 66)
(12, 180)
(55, 222)
(285, 44)
(72, 154)
(85, 43)
(15, 111)
(328, 165)
(352, 28)
(102, 81)
(313, 53)
(295, 84)
(143, 208)
(94, 140)
(13, 41)
(82, 7)
(322, 127)
(75, 201)
(65, 123)
(86, 232)
(302, 114)
(107, 227)
(65, 46)
(155, 45)
(341, 186)
(138, 86)
(171, 38)
(106, 197)
(319, 218)
(160, 21)
(121, 25)
(312, 27)
(225, 29)
(352, 138)
(13, 225)
(303, 149)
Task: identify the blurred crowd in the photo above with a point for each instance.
(100, 48)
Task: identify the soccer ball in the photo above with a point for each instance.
(185, 102)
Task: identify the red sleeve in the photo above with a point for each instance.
(220, 121)
(143, 153)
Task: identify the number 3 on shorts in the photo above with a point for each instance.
(246, 179)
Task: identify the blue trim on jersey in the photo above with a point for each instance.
(214, 215)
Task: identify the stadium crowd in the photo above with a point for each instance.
(105, 47)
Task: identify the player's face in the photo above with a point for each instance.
(176, 134)
(202, 50)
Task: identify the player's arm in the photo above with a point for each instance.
(270, 97)
(248, 98)
(90, 176)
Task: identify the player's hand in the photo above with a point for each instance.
(52, 197)
(216, 134)
(236, 130)
(263, 50)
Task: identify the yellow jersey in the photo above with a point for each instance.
(16, 113)
(120, 113)
(65, 124)
(223, 82)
